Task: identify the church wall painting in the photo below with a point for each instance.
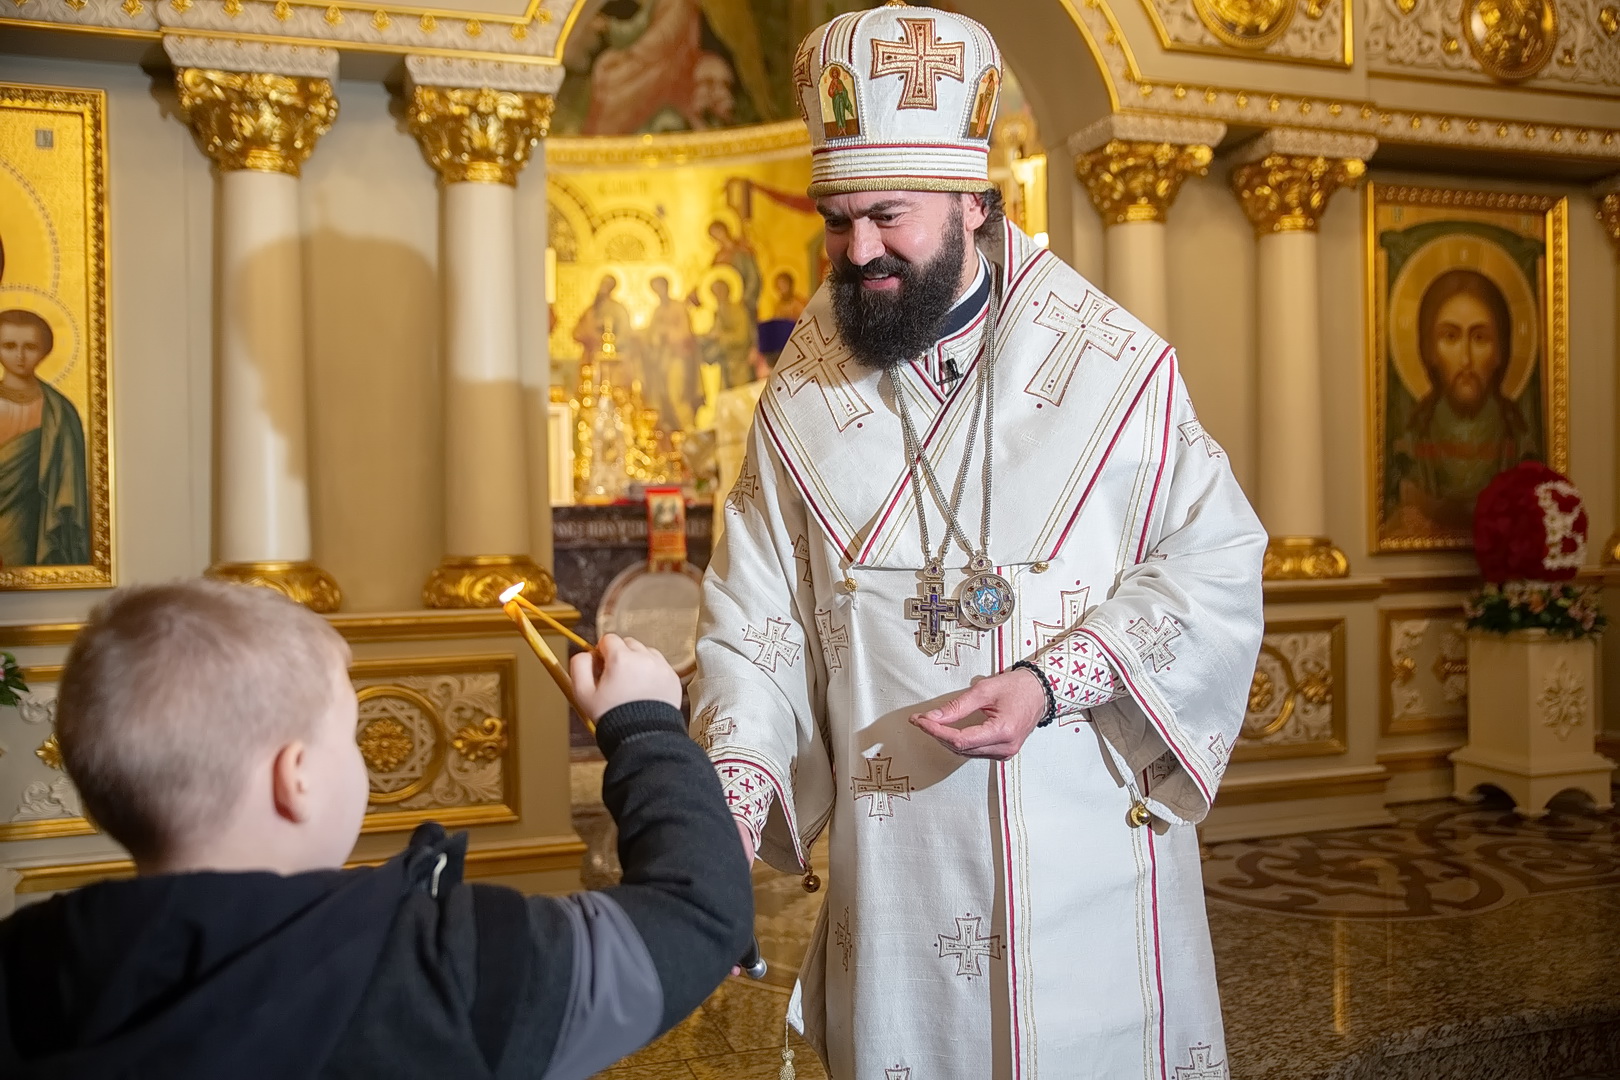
(680, 265)
(55, 457)
(1468, 352)
(661, 66)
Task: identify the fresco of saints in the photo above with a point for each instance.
(789, 304)
(670, 65)
(1464, 430)
(604, 317)
(44, 497)
(736, 253)
(731, 341)
(671, 346)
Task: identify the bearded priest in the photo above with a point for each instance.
(984, 616)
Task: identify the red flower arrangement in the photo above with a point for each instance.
(1530, 539)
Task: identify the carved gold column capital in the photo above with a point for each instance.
(477, 581)
(303, 582)
(254, 119)
(1303, 558)
(479, 135)
(1285, 178)
(1288, 192)
(1132, 180)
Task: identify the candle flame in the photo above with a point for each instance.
(506, 597)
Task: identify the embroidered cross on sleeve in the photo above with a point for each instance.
(748, 795)
(1080, 676)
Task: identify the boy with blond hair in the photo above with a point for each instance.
(210, 728)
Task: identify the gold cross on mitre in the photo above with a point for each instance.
(921, 60)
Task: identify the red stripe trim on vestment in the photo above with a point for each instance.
(953, 147)
(1158, 960)
(1164, 455)
(1164, 731)
(1078, 506)
(804, 489)
(1012, 906)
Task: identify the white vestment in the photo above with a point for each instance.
(989, 919)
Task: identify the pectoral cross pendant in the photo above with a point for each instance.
(932, 609)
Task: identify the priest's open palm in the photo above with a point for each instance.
(1011, 703)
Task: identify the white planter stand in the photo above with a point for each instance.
(1531, 720)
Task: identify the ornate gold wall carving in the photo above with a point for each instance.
(1294, 31)
(302, 582)
(1550, 43)
(1137, 181)
(256, 120)
(1609, 215)
(1288, 192)
(1296, 701)
(437, 736)
(1424, 681)
(478, 135)
(477, 581)
(1303, 558)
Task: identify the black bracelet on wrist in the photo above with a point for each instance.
(1046, 688)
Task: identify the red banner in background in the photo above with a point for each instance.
(666, 528)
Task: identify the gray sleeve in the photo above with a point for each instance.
(614, 996)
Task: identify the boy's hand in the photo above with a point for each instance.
(620, 671)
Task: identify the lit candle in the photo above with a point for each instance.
(513, 605)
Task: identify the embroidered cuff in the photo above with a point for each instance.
(1077, 674)
(1046, 688)
(748, 795)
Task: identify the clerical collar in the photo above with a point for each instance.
(970, 305)
(968, 310)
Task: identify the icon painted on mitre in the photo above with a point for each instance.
(984, 105)
(839, 116)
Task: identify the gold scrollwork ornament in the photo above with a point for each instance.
(477, 581)
(1137, 181)
(1288, 192)
(255, 120)
(1303, 558)
(302, 582)
(1246, 24)
(484, 741)
(479, 136)
(1511, 40)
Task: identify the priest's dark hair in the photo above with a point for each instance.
(995, 210)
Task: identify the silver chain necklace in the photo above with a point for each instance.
(984, 600)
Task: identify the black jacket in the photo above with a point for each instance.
(398, 971)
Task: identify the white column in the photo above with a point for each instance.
(487, 500)
(478, 124)
(263, 498)
(1284, 180)
(1133, 168)
(259, 127)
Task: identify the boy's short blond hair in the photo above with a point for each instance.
(170, 691)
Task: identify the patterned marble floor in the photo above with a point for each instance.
(1461, 942)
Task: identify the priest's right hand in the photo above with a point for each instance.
(1011, 704)
(619, 671)
(747, 836)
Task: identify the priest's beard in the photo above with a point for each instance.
(888, 328)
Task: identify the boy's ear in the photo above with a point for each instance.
(289, 784)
